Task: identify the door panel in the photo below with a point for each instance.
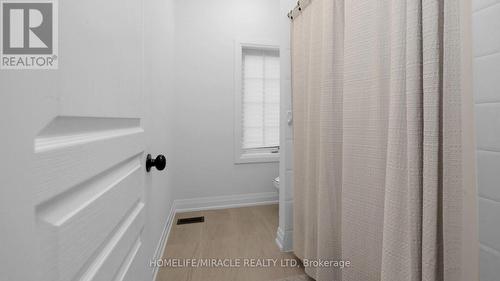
(89, 197)
(101, 58)
(75, 185)
(66, 155)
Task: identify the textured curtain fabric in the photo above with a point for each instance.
(317, 54)
(383, 150)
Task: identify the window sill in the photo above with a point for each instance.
(257, 158)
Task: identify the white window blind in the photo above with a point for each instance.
(260, 99)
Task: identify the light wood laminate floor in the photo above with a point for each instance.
(237, 234)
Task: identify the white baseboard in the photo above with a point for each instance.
(209, 203)
(225, 202)
(284, 240)
(160, 248)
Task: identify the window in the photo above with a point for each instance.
(258, 104)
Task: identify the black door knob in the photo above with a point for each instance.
(159, 162)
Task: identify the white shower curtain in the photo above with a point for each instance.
(384, 169)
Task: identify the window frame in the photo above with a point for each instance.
(241, 156)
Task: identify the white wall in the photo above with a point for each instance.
(203, 162)
(486, 32)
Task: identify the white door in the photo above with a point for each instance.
(73, 150)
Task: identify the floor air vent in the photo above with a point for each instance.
(190, 220)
